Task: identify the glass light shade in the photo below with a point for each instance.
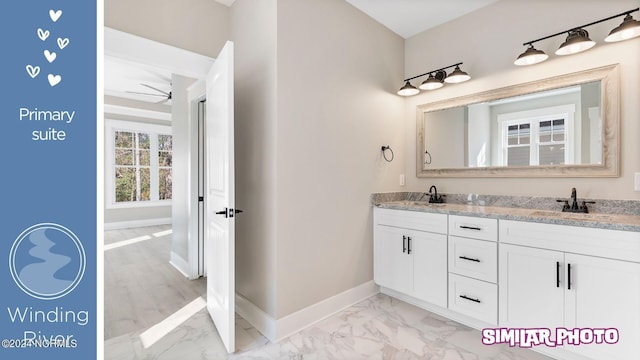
(531, 56)
(629, 28)
(577, 41)
(457, 76)
(408, 90)
(431, 83)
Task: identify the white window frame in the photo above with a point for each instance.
(110, 185)
(535, 117)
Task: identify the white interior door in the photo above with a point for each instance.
(219, 197)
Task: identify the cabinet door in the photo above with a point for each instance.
(604, 293)
(429, 253)
(531, 287)
(393, 265)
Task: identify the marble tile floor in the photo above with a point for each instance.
(383, 327)
(380, 327)
(142, 289)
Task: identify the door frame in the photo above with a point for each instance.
(196, 93)
(126, 47)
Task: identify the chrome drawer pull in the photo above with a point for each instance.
(470, 299)
(469, 259)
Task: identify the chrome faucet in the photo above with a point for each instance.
(433, 195)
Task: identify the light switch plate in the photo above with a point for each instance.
(636, 181)
(401, 179)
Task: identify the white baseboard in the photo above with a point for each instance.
(310, 315)
(136, 223)
(259, 319)
(276, 330)
(180, 264)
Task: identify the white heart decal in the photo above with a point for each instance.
(54, 79)
(51, 56)
(55, 15)
(33, 71)
(62, 43)
(43, 34)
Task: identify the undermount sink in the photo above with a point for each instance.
(572, 216)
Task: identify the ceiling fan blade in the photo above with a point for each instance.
(156, 89)
(142, 93)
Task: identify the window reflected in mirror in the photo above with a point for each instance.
(556, 127)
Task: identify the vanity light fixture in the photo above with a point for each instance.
(531, 56)
(578, 39)
(457, 76)
(629, 28)
(408, 89)
(435, 80)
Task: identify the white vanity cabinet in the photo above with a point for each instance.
(410, 253)
(555, 276)
(515, 274)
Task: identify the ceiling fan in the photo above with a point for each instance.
(161, 93)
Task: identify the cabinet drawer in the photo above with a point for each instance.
(474, 298)
(415, 220)
(473, 258)
(613, 244)
(473, 227)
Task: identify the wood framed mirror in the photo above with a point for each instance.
(565, 126)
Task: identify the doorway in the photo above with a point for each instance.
(179, 64)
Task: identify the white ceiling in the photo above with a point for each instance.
(125, 79)
(410, 17)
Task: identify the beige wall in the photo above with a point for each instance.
(315, 83)
(256, 122)
(488, 41)
(337, 76)
(201, 26)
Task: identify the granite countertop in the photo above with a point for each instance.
(626, 222)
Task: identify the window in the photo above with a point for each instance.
(538, 137)
(518, 144)
(141, 158)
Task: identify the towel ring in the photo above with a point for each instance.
(384, 153)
